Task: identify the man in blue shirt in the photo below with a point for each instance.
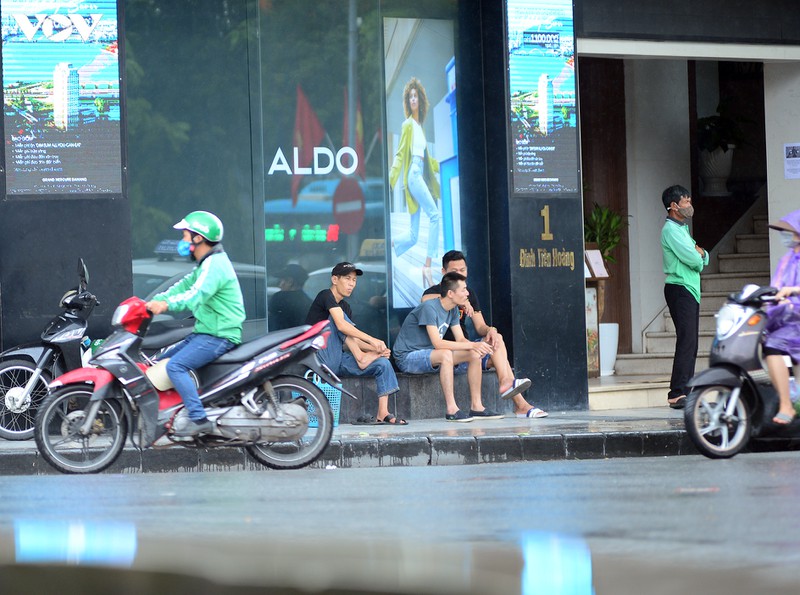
(420, 347)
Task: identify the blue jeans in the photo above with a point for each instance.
(343, 363)
(194, 352)
(419, 190)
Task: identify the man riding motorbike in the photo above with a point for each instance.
(212, 293)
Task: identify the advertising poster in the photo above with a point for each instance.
(61, 97)
(541, 71)
(423, 153)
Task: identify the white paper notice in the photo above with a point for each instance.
(791, 161)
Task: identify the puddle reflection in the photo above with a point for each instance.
(542, 563)
(66, 542)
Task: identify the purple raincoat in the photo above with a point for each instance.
(783, 328)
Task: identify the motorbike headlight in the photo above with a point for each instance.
(729, 319)
(119, 314)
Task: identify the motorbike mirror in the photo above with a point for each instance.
(83, 274)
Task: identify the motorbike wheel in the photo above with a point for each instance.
(17, 418)
(58, 436)
(297, 453)
(714, 433)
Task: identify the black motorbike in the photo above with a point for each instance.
(254, 395)
(733, 401)
(26, 370)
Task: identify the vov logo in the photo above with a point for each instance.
(57, 27)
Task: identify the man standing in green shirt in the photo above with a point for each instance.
(212, 293)
(683, 261)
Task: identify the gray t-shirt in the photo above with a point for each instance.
(413, 335)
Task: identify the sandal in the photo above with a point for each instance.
(783, 419)
(367, 420)
(391, 420)
(677, 402)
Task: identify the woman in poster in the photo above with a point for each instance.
(419, 171)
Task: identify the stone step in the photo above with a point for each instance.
(627, 392)
(730, 282)
(750, 243)
(756, 262)
(654, 364)
(664, 341)
(760, 224)
(708, 322)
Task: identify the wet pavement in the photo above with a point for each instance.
(653, 431)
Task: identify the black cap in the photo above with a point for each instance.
(295, 272)
(345, 268)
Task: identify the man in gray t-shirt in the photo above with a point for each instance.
(420, 347)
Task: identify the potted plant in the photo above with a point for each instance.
(603, 227)
(717, 136)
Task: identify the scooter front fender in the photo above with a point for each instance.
(724, 375)
(98, 377)
(31, 352)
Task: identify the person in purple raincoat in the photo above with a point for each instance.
(782, 336)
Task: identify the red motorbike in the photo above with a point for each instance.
(255, 395)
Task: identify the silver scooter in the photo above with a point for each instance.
(733, 401)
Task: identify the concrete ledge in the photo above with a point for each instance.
(562, 436)
(420, 396)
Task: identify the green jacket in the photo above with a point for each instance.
(682, 263)
(402, 159)
(212, 293)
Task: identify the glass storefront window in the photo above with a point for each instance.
(283, 117)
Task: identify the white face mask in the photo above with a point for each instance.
(789, 240)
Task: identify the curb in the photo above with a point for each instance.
(400, 451)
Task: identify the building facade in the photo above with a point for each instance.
(257, 110)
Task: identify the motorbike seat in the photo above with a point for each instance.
(252, 348)
(166, 338)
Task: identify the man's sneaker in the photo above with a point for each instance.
(486, 414)
(458, 416)
(192, 427)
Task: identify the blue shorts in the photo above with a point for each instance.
(416, 362)
(419, 362)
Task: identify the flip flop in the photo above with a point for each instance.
(678, 403)
(533, 412)
(391, 420)
(783, 419)
(366, 420)
(519, 385)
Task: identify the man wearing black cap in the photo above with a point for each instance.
(367, 356)
(289, 306)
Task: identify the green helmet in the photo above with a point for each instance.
(203, 223)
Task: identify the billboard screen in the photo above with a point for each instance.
(541, 73)
(61, 97)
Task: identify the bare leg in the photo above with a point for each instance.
(383, 407)
(505, 376)
(474, 376)
(444, 359)
(779, 374)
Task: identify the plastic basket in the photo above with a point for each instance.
(334, 396)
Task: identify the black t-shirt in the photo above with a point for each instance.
(462, 317)
(321, 307)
